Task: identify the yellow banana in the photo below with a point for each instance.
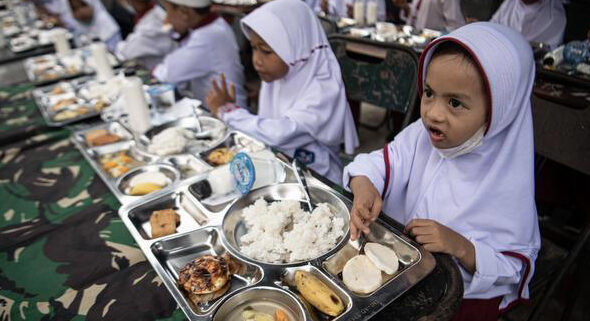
(318, 294)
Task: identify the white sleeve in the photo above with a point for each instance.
(283, 132)
(493, 268)
(373, 165)
(453, 15)
(144, 43)
(179, 65)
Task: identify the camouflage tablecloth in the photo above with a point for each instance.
(64, 252)
(66, 255)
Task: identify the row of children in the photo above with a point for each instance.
(538, 20)
(460, 178)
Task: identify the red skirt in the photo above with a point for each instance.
(479, 310)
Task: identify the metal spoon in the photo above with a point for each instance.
(198, 130)
(362, 239)
(303, 183)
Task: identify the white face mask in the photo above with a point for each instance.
(468, 146)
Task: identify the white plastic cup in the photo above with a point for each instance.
(359, 13)
(61, 43)
(136, 105)
(371, 13)
(104, 71)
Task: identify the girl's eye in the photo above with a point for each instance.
(455, 103)
(427, 93)
(266, 51)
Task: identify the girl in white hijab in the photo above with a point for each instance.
(461, 178)
(537, 20)
(91, 18)
(302, 108)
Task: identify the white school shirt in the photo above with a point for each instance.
(542, 21)
(443, 15)
(204, 55)
(486, 195)
(148, 42)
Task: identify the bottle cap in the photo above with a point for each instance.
(243, 171)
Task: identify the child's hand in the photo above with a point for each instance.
(436, 237)
(366, 205)
(219, 96)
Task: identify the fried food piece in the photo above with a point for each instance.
(57, 90)
(164, 222)
(62, 104)
(205, 278)
(220, 156)
(99, 137)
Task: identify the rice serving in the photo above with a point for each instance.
(281, 232)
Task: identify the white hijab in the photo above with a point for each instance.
(312, 93)
(542, 21)
(491, 187)
(102, 26)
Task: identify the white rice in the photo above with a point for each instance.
(170, 141)
(312, 234)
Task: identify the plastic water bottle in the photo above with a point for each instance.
(576, 52)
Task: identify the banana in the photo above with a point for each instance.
(143, 189)
(318, 294)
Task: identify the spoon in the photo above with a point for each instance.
(307, 206)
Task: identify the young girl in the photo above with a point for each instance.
(461, 178)
(443, 15)
(91, 18)
(302, 108)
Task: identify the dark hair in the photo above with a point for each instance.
(203, 11)
(452, 48)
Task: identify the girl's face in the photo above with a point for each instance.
(267, 63)
(81, 11)
(454, 102)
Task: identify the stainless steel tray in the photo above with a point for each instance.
(127, 145)
(42, 100)
(273, 282)
(61, 72)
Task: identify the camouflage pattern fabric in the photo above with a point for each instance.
(64, 252)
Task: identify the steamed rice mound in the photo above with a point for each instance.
(309, 234)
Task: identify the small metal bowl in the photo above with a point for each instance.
(171, 173)
(262, 299)
(234, 226)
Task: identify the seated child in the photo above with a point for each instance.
(302, 108)
(461, 179)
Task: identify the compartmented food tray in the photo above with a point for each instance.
(50, 68)
(131, 172)
(260, 286)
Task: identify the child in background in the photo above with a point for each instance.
(149, 42)
(207, 49)
(442, 15)
(89, 17)
(302, 107)
(537, 20)
(461, 178)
